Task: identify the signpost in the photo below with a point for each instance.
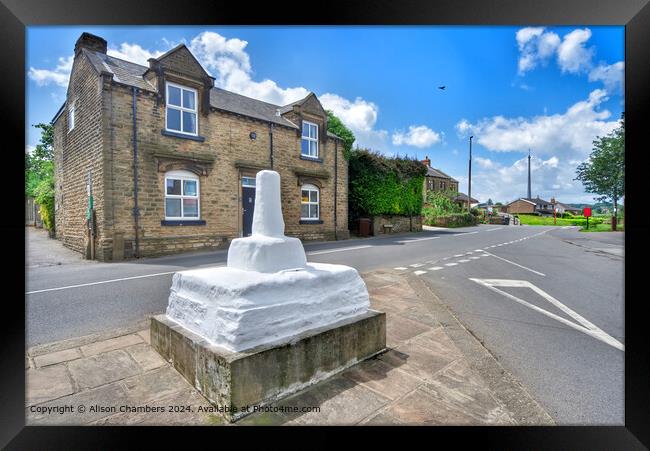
(587, 213)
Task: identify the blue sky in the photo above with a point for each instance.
(553, 89)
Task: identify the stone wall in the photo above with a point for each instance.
(400, 224)
(433, 184)
(75, 153)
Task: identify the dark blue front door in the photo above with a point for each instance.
(248, 204)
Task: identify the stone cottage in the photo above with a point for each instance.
(167, 161)
(436, 180)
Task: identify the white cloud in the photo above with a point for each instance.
(611, 75)
(134, 53)
(29, 149)
(535, 46)
(359, 115)
(525, 35)
(572, 131)
(484, 162)
(551, 162)
(228, 61)
(552, 177)
(419, 136)
(59, 76)
(463, 127)
(572, 55)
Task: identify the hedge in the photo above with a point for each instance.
(384, 186)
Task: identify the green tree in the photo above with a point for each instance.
(337, 127)
(441, 203)
(604, 172)
(39, 175)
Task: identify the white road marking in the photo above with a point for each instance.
(475, 258)
(436, 268)
(584, 327)
(417, 273)
(478, 250)
(417, 239)
(451, 264)
(466, 233)
(463, 260)
(469, 253)
(400, 268)
(342, 249)
(458, 255)
(446, 258)
(516, 264)
(416, 265)
(497, 228)
(107, 281)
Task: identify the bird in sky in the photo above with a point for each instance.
(442, 87)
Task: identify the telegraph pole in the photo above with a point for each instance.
(469, 182)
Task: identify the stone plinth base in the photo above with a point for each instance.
(237, 381)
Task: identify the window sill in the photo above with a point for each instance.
(181, 135)
(179, 222)
(311, 221)
(317, 160)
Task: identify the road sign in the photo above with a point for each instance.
(586, 212)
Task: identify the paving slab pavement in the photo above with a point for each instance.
(434, 373)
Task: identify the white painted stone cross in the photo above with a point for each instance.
(267, 249)
(268, 293)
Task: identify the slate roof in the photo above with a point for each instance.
(131, 74)
(237, 103)
(521, 198)
(463, 197)
(537, 201)
(123, 71)
(433, 172)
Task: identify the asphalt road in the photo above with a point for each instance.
(572, 363)
(576, 373)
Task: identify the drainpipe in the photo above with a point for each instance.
(336, 179)
(271, 143)
(136, 210)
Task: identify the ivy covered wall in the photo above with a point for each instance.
(384, 186)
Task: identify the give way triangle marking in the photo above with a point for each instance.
(584, 327)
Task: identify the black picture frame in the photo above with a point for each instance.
(16, 15)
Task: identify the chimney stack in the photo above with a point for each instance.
(426, 161)
(90, 42)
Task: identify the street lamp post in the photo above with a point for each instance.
(469, 183)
